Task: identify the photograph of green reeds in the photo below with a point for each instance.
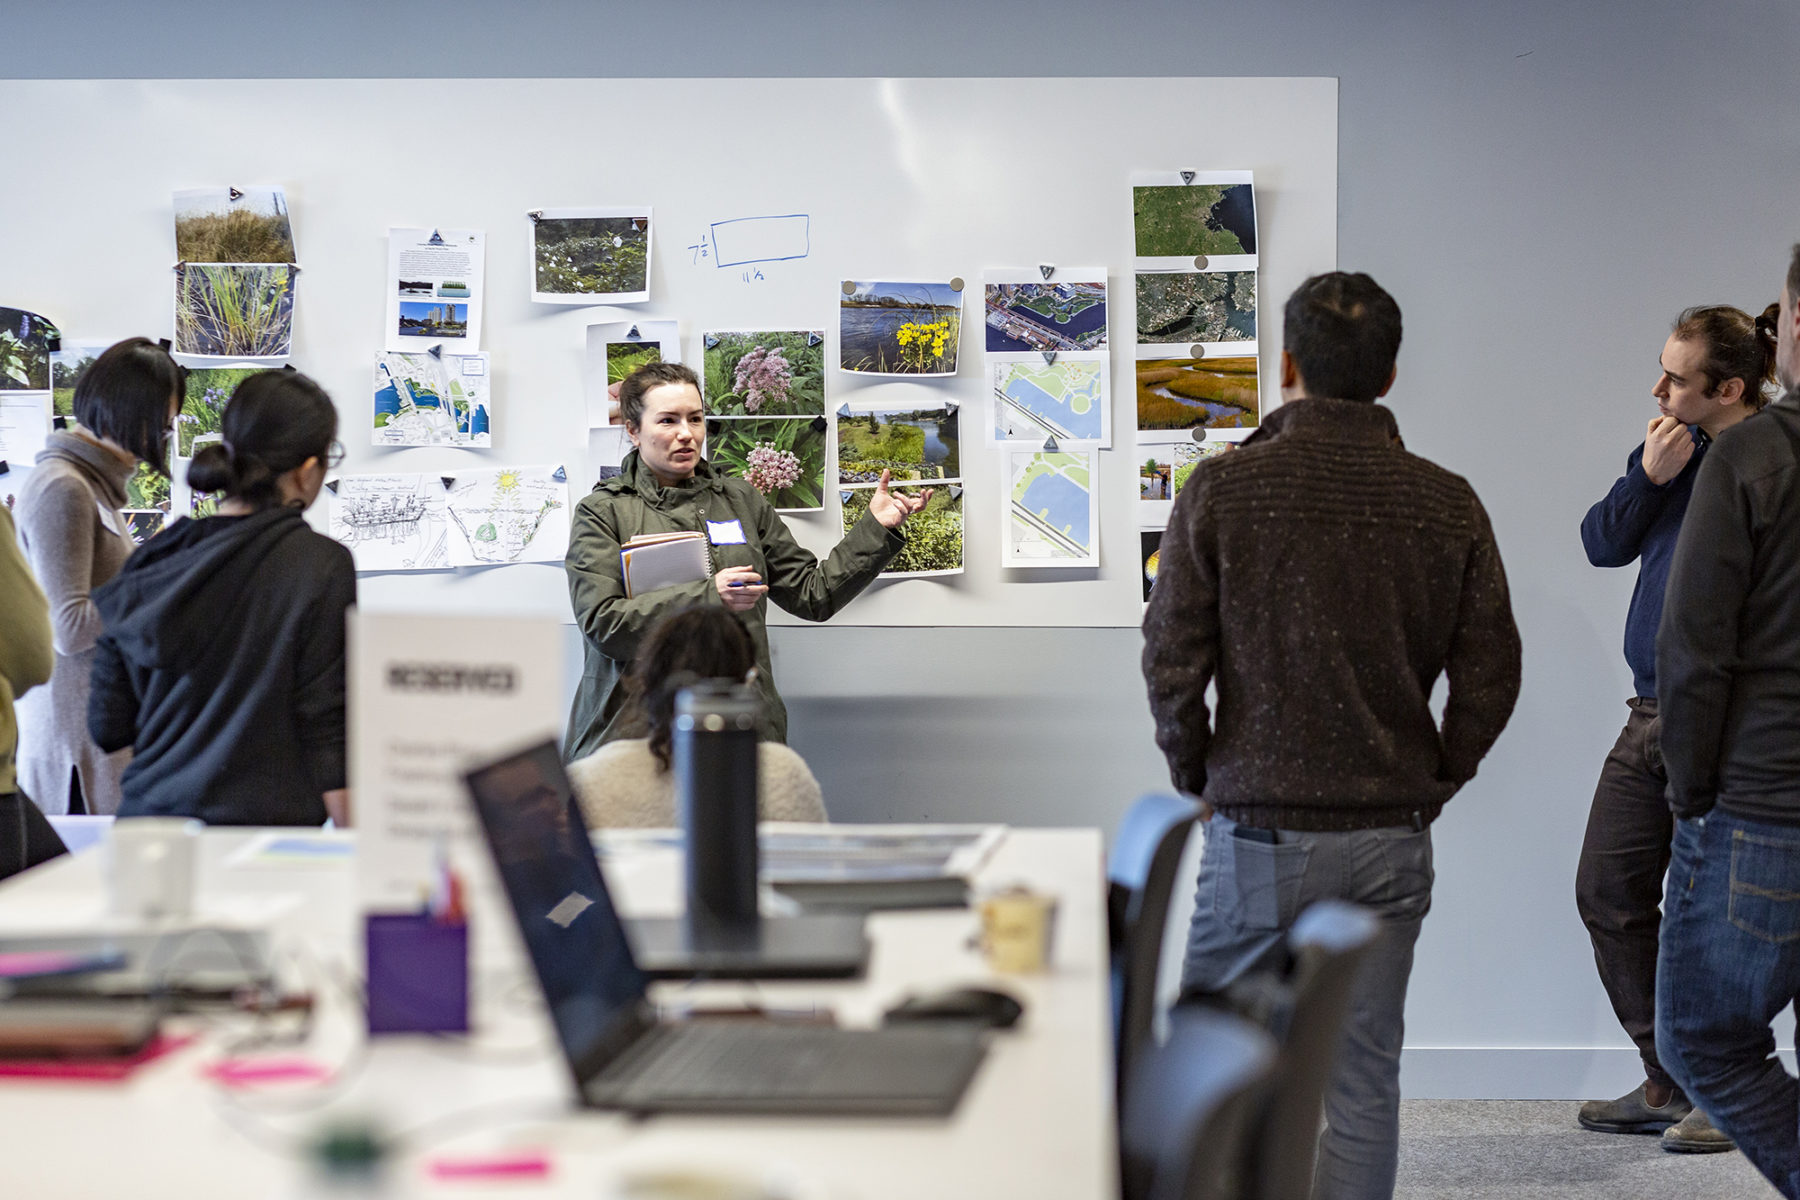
(232, 311)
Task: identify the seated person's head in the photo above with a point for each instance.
(704, 641)
(279, 435)
(1341, 335)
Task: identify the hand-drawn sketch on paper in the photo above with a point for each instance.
(510, 515)
(391, 522)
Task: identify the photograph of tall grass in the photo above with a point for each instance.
(67, 366)
(910, 444)
(622, 358)
(1194, 393)
(781, 457)
(934, 535)
(211, 227)
(765, 374)
(234, 311)
(25, 340)
(591, 256)
(900, 329)
(208, 388)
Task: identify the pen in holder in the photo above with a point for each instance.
(418, 965)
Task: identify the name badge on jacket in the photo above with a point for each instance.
(725, 533)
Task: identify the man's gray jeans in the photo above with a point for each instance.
(1250, 893)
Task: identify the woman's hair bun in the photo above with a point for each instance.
(212, 469)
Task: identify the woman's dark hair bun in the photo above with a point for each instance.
(210, 471)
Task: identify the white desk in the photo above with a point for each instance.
(1037, 1121)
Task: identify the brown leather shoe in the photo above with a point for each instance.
(1632, 1113)
(1696, 1134)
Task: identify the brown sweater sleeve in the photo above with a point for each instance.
(1483, 665)
(1181, 639)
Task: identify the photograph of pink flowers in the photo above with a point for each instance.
(781, 457)
(765, 373)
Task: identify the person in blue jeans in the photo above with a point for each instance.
(1714, 371)
(1728, 676)
(1322, 578)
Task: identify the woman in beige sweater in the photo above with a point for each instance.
(76, 539)
(629, 783)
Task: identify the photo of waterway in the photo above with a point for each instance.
(1194, 393)
(900, 329)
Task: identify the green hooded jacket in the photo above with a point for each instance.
(634, 503)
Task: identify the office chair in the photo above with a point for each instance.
(1192, 1107)
(1141, 877)
(1327, 946)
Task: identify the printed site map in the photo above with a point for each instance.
(421, 400)
(1052, 508)
(1065, 400)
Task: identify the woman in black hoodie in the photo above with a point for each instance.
(222, 664)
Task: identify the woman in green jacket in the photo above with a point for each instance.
(667, 486)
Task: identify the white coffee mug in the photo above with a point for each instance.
(150, 866)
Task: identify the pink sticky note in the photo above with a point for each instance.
(251, 1072)
(511, 1164)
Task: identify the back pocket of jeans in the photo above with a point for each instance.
(1764, 903)
(1268, 881)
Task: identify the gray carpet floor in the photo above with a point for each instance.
(1533, 1150)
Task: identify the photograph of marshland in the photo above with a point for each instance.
(211, 227)
(1189, 393)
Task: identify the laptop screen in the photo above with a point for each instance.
(575, 939)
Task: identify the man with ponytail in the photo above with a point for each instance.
(1728, 674)
(222, 665)
(1714, 371)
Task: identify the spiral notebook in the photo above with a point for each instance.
(662, 560)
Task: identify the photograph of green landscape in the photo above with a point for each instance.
(1185, 220)
(622, 358)
(910, 444)
(224, 311)
(1191, 393)
(769, 373)
(212, 227)
(25, 341)
(781, 457)
(66, 368)
(1196, 306)
(934, 536)
(586, 257)
(899, 328)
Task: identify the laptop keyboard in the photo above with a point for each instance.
(732, 1059)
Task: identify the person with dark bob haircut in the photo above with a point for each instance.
(1716, 369)
(222, 664)
(667, 486)
(76, 538)
(628, 782)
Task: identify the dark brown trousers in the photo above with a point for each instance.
(1619, 882)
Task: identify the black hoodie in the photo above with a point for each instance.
(222, 666)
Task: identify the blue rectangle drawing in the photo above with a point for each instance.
(761, 239)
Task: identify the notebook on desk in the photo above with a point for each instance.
(621, 1054)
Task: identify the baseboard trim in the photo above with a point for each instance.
(1523, 1072)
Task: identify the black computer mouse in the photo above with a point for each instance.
(987, 1006)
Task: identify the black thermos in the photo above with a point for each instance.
(715, 795)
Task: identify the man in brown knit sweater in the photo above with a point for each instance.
(1322, 578)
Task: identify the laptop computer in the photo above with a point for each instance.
(621, 1054)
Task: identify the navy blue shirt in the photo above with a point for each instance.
(1639, 520)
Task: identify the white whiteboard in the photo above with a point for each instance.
(902, 179)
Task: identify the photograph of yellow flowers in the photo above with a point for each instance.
(590, 255)
(887, 328)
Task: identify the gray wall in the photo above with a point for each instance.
(1541, 184)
